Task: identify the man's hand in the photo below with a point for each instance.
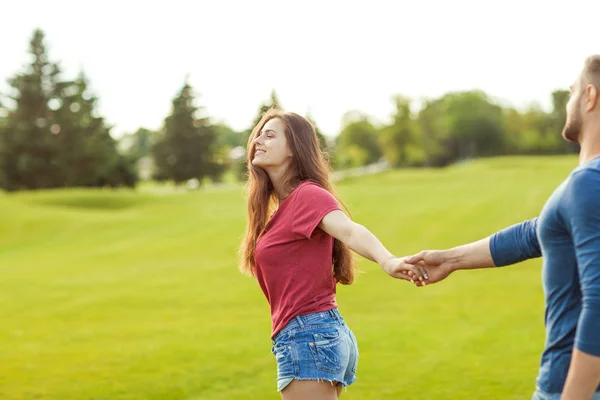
(436, 264)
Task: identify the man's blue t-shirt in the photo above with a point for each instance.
(567, 235)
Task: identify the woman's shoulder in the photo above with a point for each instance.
(309, 187)
(310, 191)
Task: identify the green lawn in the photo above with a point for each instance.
(123, 295)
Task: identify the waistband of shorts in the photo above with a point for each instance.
(316, 318)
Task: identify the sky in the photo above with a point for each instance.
(326, 57)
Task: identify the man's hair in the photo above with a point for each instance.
(591, 70)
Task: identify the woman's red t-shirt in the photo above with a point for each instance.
(294, 258)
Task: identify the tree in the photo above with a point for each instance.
(514, 122)
(87, 153)
(28, 148)
(137, 147)
(398, 137)
(474, 123)
(558, 118)
(229, 147)
(186, 148)
(358, 143)
(536, 132)
(227, 137)
(3, 124)
(560, 98)
(432, 134)
(323, 143)
(52, 137)
(461, 125)
(139, 144)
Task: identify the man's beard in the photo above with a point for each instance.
(572, 128)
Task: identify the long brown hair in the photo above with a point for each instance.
(308, 163)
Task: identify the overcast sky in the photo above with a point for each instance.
(325, 56)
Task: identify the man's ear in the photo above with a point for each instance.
(591, 97)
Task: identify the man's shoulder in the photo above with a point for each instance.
(590, 167)
(582, 189)
(586, 176)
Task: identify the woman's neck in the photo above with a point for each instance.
(282, 187)
(282, 190)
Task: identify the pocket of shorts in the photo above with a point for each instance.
(326, 349)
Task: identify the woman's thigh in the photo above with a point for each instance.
(314, 390)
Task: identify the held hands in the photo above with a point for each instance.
(435, 264)
(400, 269)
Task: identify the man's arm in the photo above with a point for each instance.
(506, 247)
(583, 376)
(582, 216)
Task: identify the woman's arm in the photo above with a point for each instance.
(360, 240)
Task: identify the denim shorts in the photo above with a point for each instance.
(317, 346)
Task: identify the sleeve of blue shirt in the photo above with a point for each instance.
(516, 243)
(582, 216)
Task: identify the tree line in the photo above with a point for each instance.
(52, 136)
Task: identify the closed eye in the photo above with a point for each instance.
(270, 133)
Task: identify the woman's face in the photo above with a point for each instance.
(271, 149)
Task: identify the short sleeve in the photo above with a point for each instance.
(311, 204)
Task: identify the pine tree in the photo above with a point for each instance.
(28, 148)
(186, 149)
(52, 137)
(88, 153)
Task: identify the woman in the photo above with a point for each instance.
(291, 254)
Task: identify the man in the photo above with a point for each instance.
(567, 235)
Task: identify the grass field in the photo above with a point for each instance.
(123, 295)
